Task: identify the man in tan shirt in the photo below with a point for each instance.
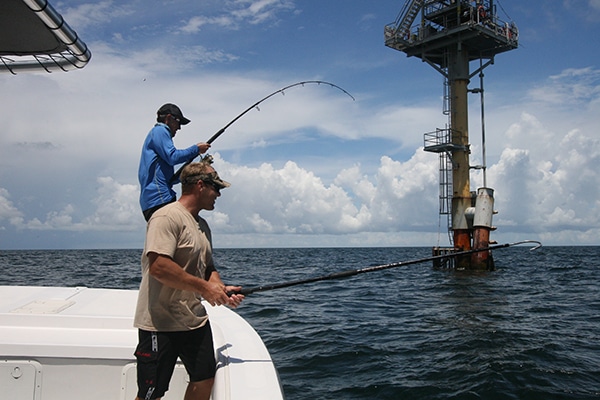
(177, 271)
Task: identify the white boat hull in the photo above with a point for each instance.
(72, 343)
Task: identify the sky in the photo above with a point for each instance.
(311, 167)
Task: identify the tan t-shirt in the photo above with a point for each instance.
(173, 232)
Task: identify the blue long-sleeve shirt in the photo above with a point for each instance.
(159, 156)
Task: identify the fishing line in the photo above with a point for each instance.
(344, 274)
(255, 106)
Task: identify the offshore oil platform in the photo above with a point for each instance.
(450, 35)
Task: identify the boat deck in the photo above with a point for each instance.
(79, 342)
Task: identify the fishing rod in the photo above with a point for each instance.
(344, 274)
(255, 105)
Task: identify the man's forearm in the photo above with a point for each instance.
(169, 273)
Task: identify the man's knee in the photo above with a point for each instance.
(199, 390)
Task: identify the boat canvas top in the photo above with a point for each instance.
(34, 37)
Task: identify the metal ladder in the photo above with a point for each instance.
(408, 14)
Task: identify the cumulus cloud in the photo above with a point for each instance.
(293, 200)
(116, 209)
(8, 212)
(550, 187)
(545, 178)
(117, 206)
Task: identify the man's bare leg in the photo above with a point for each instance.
(199, 390)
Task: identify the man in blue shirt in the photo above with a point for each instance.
(159, 156)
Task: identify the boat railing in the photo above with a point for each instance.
(436, 22)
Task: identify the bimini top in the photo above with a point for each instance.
(33, 36)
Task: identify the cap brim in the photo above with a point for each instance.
(222, 184)
(183, 120)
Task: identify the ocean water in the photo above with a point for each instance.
(529, 330)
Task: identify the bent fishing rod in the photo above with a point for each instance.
(344, 274)
(255, 105)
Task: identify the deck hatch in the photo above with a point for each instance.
(48, 306)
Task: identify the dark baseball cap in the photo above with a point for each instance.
(174, 111)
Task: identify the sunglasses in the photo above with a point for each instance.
(216, 187)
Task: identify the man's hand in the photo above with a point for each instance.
(215, 293)
(203, 147)
(234, 299)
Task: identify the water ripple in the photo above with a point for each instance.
(528, 330)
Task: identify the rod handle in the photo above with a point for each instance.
(244, 292)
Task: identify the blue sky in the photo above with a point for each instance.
(312, 167)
